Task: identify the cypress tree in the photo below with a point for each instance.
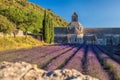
(51, 31)
(46, 28)
(43, 23)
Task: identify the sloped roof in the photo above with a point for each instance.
(99, 32)
(102, 30)
(60, 30)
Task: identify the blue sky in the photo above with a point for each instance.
(92, 13)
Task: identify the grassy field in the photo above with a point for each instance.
(10, 43)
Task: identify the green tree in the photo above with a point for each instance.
(34, 19)
(51, 31)
(31, 24)
(44, 25)
(46, 29)
(29, 17)
(6, 27)
(15, 15)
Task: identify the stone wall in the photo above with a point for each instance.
(60, 35)
(26, 71)
(18, 33)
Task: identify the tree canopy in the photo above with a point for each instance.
(5, 25)
(26, 15)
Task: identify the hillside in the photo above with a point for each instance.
(11, 43)
(23, 13)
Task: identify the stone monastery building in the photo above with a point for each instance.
(76, 33)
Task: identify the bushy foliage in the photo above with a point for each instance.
(14, 14)
(27, 16)
(5, 25)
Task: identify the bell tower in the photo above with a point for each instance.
(74, 17)
(75, 30)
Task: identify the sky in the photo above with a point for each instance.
(92, 13)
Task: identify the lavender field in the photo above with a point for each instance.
(102, 62)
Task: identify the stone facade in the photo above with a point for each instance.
(75, 30)
(90, 39)
(75, 33)
(111, 39)
(16, 32)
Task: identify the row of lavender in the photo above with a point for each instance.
(92, 60)
(112, 49)
(110, 65)
(29, 54)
